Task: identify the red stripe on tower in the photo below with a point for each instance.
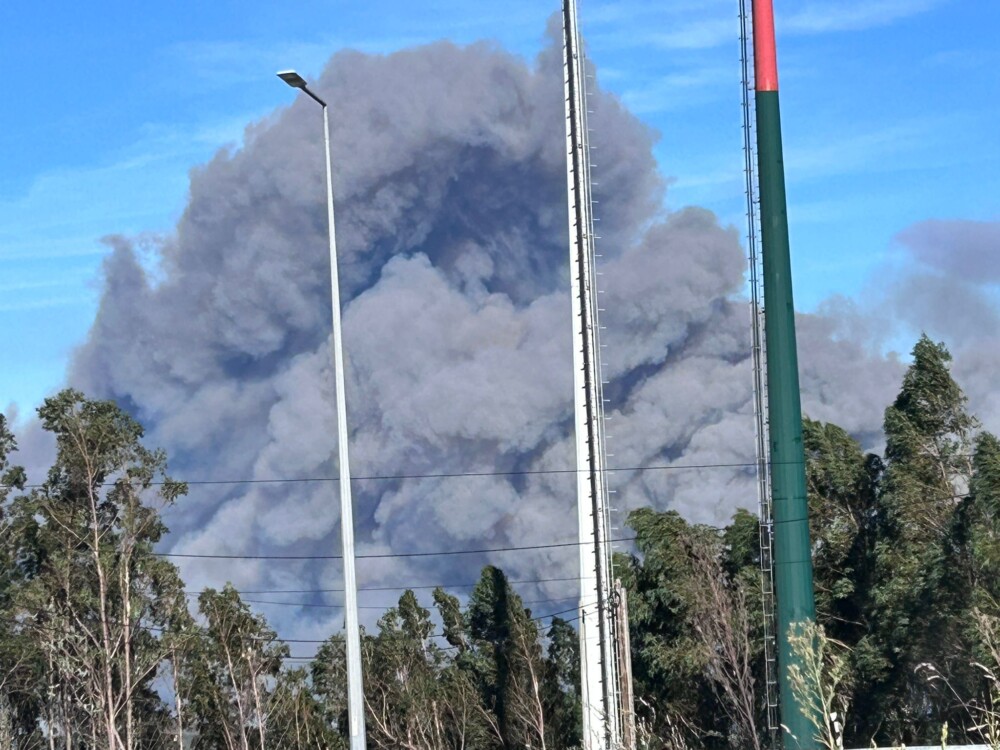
(765, 56)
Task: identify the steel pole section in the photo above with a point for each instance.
(355, 695)
(352, 634)
(597, 648)
(792, 552)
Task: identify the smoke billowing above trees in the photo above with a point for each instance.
(450, 188)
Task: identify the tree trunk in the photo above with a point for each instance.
(178, 701)
(114, 742)
(127, 600)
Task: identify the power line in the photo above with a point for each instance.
(442, 475)
(458, 475)
(49, 627)
(401, 587)
(384, 555)
(452, 648)
(484, 550)
(385, 608)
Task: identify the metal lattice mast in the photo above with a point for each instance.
(599, 669)
(759, 358)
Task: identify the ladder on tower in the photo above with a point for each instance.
(759, 358)
(601, 626)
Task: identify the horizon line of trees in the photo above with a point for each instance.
(101, 648)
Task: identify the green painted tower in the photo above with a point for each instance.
(793, 576)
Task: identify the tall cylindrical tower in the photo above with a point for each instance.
(793, 575)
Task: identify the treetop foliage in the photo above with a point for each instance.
(100, 647)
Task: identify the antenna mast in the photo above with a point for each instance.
(793, 575)
(599, 665)
(759, 357)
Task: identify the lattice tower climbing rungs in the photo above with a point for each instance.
(759, 361)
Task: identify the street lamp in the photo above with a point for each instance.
(355, 696)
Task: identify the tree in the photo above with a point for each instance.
(475, 725)
(403, 696)
(982, 511)
(561, 686)
(507, 661)
(680, 667)
(16, 667)
(842, 483)
(724, 625)
(916, 606)
(297, 721)
(328, 672)
(230, 678)
(90, 595)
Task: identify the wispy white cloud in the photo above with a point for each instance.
(820, 18)
(963, 59)
(668, 29)
(678, 89)
(880, 149)
(44, 303)
(667, 33)
(224, 63)
(10, 287)
(229, 62)
(64, 212)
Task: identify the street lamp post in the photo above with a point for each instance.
(355, 696)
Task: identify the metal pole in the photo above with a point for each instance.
(355, 695)
(792, 552)
(627, 711)
(355, 690)
(598, 674)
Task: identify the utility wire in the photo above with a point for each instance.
(50, 628)
(401, 587)
(453, 648)
(384, 608)
(460, 475)
(385, 555)
(446, 475)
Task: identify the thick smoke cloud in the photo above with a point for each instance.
(949, 289)
(968, 250)
(452, 229)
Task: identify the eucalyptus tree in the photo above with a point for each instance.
(561, 686)
(89, 594)
(916, 608)
(297, 720)
(18, 671)
(843, 483)
(983, 514)
(407, 703)
(694, 614)
(506, 661)
(231, 673)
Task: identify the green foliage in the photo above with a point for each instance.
(906, 549)
(11, 477)
(232, 664)
(917, 604)
(99, 649)
(842, 483)
(817, 678)
(561, 686)
(83, 583)
(690, 598)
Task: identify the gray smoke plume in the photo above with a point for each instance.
(950, 288)
(452, 229)
(968, 250)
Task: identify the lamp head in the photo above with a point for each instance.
(292, 78)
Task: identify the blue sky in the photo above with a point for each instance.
(890, 112)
